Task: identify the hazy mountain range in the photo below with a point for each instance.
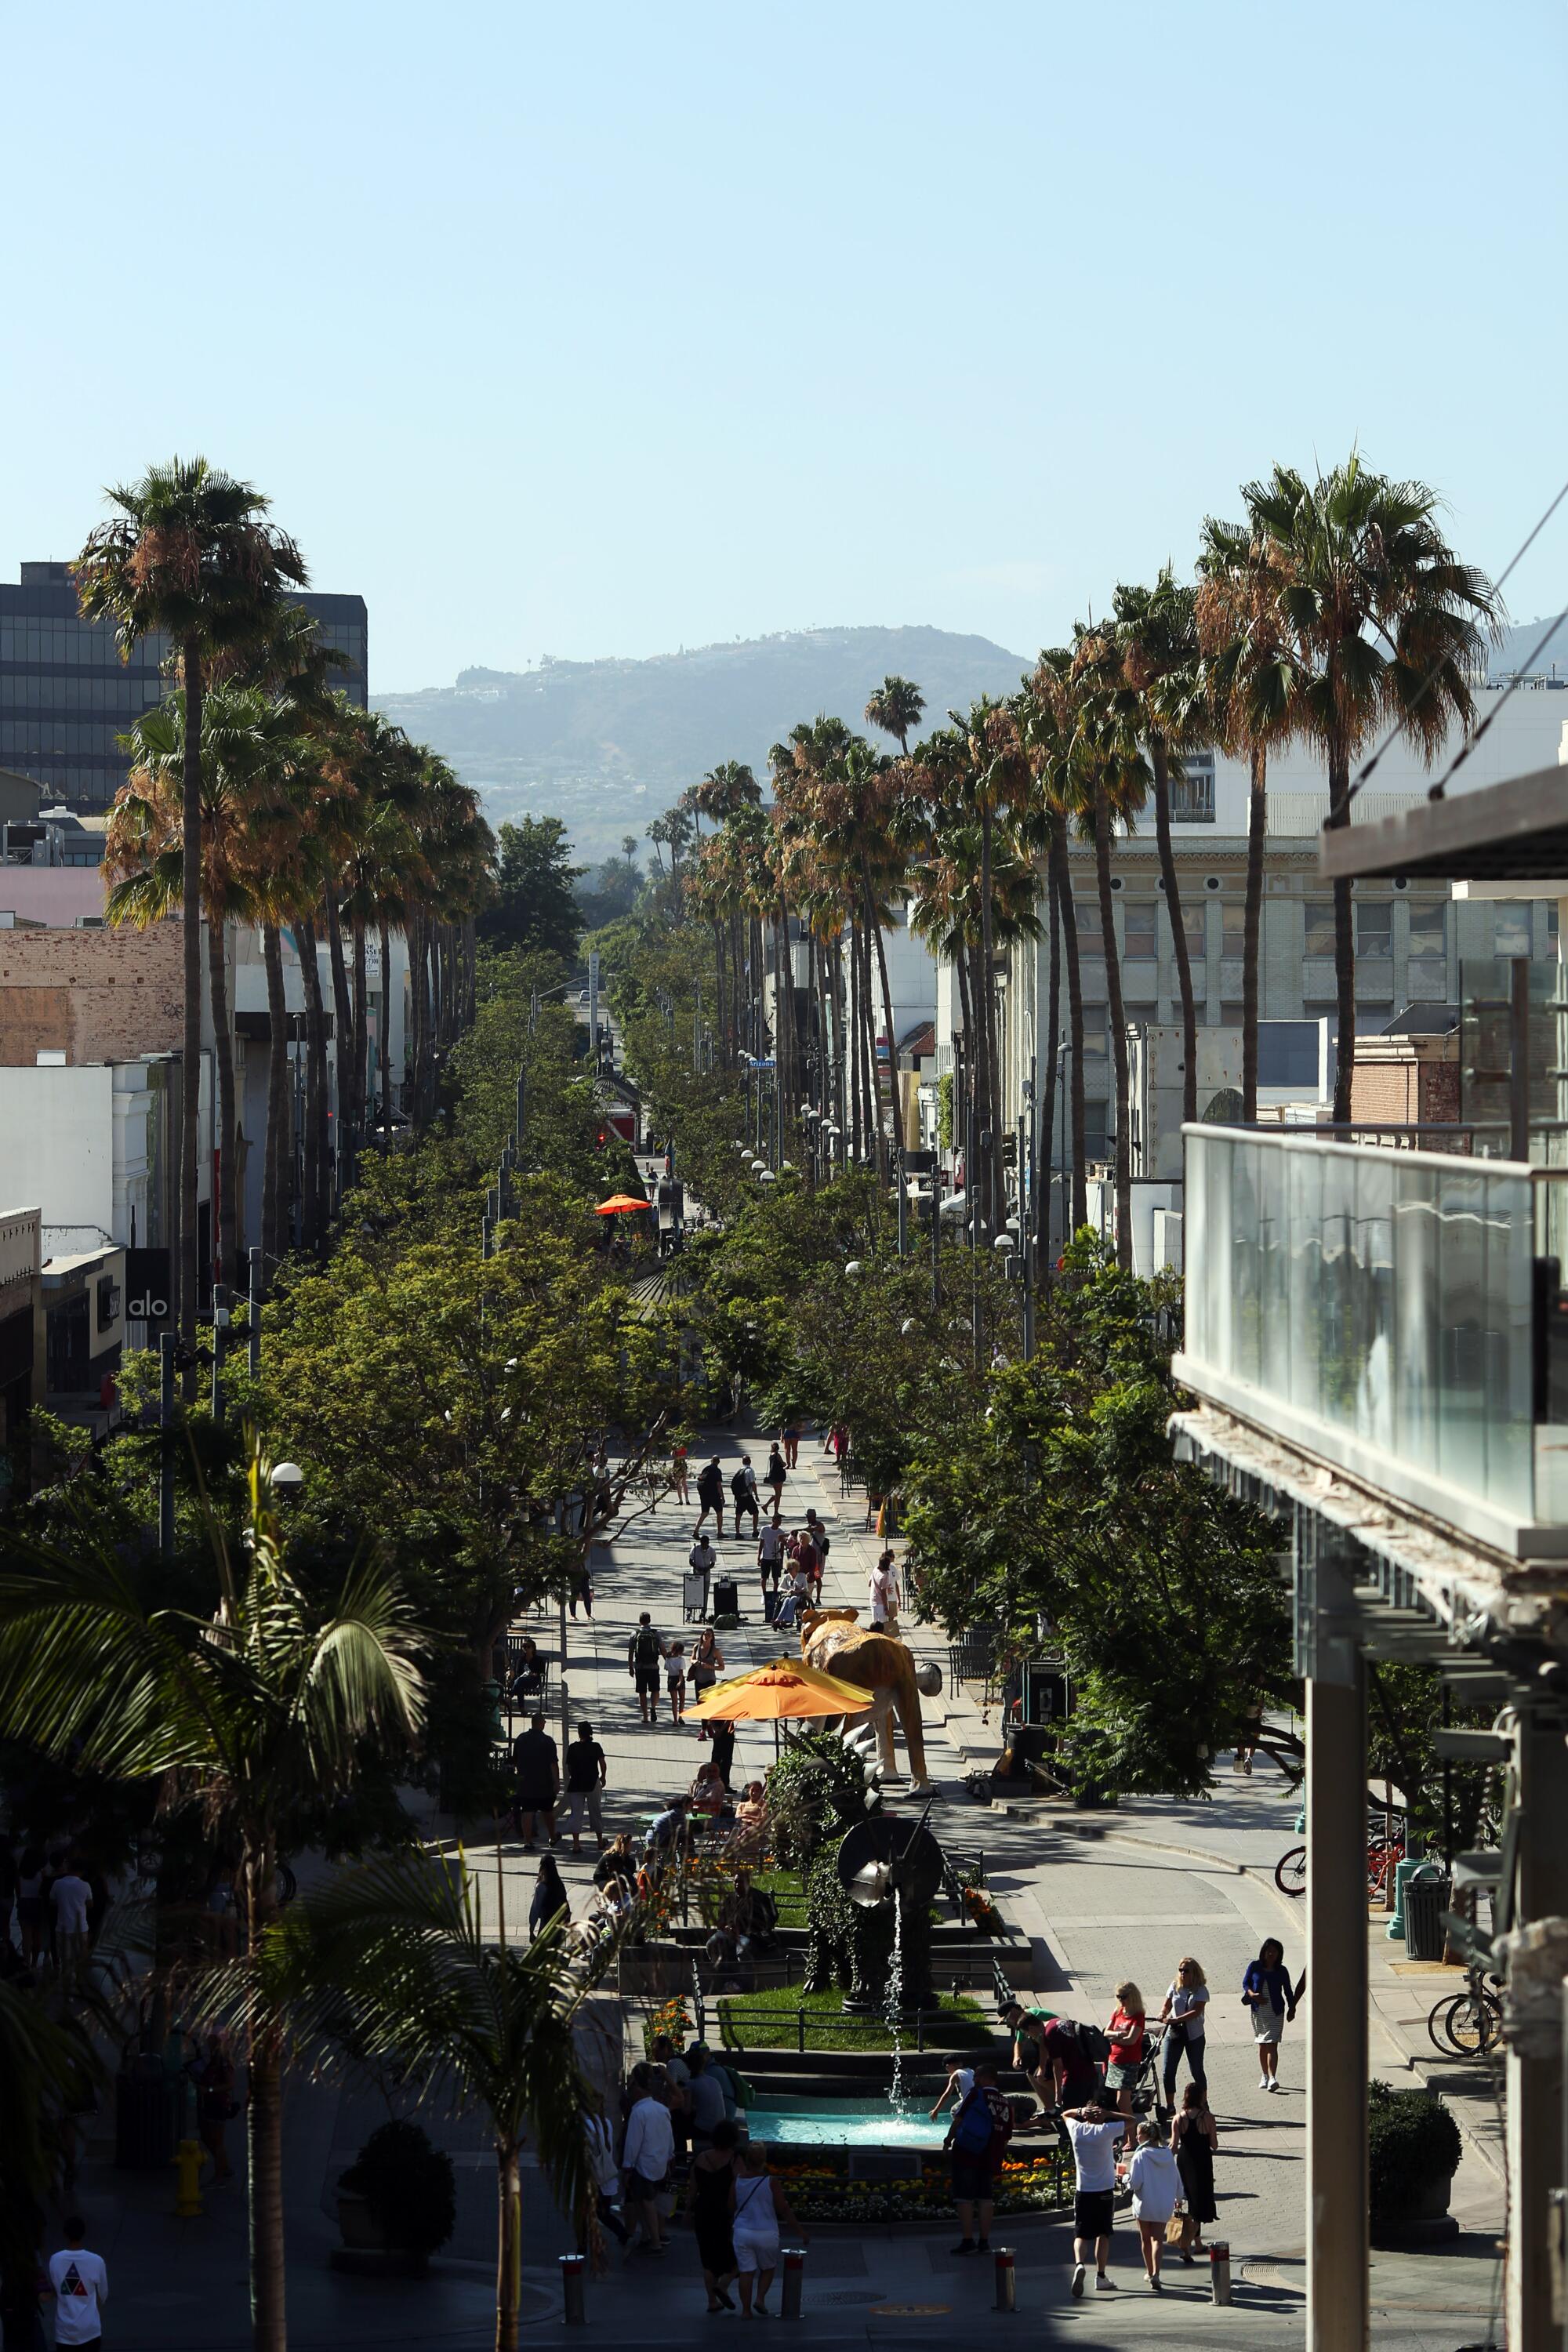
(609, 745)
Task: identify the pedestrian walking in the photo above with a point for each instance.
(818, 1534)
(758, 2205)
(645, 1652)
(1266, 1991)
(770, 1556)
(536, 1767)
(1248, 1733)
(744, 1488)
(549, 1898)
(724, 1750)
(30, 1904)
(217, 2107)
(599, 2147)
(586, 1777)
(706, 1665)
(978, 2135)
(679, 1472)
(712, 2198)
(70, 1900)
(675, 1679)
(710, 1496)
(1128, 2035)
(1182, 2015)
(1094, 2136)
(583, 1591)
(789, 1440)
(646, 2157)
(774, 1476)
(1155, 2180)
(884, 1594)
(80, 2284)
(1194, 2136)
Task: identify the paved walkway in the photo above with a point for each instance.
(1100, 1896)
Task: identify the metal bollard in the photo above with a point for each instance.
(794, 2281)
(574, 2271)
(1219, 2271)
(1007, 2280)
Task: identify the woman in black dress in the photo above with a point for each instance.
(549, 1896)
(712, 2180)
(1195, 2135)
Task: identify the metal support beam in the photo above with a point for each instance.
(1534, 2119)
(1336, 2287)
(1519, 1059)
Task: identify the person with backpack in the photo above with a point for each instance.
(1073, 2053)
(710, 1495)
(982, 2126)
(1027, 2028)
(645, 1654)
(743, 1487)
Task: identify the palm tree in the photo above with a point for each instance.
(259, 1710)
(190, 557)
(1153, 645)
(1046, 734)
(1385, 624)
(249, 743)
(893, 709)
(391, 1961)
(628, 849)
(1252, 690)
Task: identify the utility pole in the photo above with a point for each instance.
(220, 1348)
(253, 1312)
(594, 1011)
(166, 1344)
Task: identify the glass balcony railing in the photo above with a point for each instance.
(1402, 1314)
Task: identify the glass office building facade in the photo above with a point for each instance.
(66, 696)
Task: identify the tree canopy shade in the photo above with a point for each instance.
(1061, 1501)
(535, 904)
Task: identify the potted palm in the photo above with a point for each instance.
(396, 2202)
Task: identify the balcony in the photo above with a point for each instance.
(1398, 1315)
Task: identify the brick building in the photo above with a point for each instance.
(92, 995)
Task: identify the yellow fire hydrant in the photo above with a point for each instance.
(189, 2159)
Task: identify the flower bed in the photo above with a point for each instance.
(821, 2191)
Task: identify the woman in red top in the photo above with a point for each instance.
(1127, 2032)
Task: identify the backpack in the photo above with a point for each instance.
(738, 1486)
(1093, 2049)
(649, 1646)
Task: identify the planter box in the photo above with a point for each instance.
(364, 2251)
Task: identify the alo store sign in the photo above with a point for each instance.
(148, 1290)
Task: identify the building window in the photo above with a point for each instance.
(1511, 935)
(1195, 925)
(1094, 1132)
(1428, 928)
(1320, 914)
(1090, 938)
(1141, 936)
(1233, 940)
(1373, 928)
(1192, 790)
(1230, 1016)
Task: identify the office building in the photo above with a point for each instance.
(66, 696)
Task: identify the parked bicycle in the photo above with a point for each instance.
(1382, 1858)
(1466, 2024)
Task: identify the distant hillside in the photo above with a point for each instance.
(607, 744)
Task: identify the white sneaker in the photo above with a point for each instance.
(1080, 2272)
(1103, 2285)
(1274, 2082)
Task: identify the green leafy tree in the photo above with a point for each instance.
(1060, 1502)
(535, 903)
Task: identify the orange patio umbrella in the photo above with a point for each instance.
(620, 1204)
(787, 1686)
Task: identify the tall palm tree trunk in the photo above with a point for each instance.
(277, 1137)
(876, 1130)
(1123, 1156)
(342, 1039)
(1344, 939)
(1053, 1049)
(386, 1030)
(226, 1205)
(264, 2120)
(987, 1007)
(852, 1036)
(1075, 1018)
(1161, 763)
(1252, 924)
(318, 1152)
(361, 1045)
(871, 916)
(720, 1029)
(191, 1067)
(509, 2245)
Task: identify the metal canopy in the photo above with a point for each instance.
(1512, 832)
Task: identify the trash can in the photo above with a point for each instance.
(726, 1597)
(1426, 1900)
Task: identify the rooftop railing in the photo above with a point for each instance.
(1401, 1314)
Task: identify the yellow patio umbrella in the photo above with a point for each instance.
(783, 1687)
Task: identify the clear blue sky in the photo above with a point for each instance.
(605, 329)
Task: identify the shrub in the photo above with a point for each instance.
(406, 2181)
(1413, 2146)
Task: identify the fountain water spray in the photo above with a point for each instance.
(894, 2011)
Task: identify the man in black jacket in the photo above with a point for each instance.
(710, 1495)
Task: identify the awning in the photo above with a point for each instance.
(1512, 832)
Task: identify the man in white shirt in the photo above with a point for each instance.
(646, 2159)
(1094, 2136)
(770, 1557)
(884, 1594)
(81, 2288)
(71, 1898)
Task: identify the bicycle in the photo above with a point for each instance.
(1465, 2025)
(1290, 1870)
